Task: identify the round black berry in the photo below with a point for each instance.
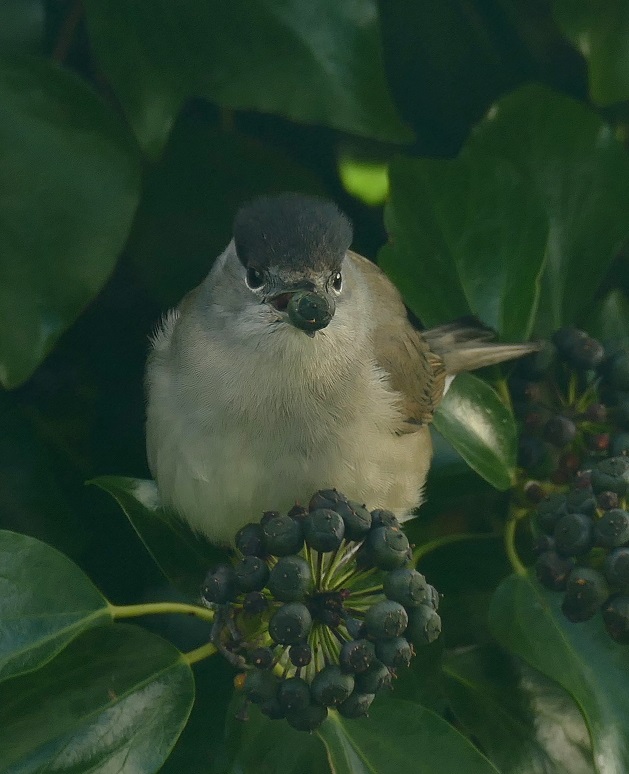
(290, 580)
(254, 603)
(616, 618)
(550, 510)
(560, 431)
(290, 624)
(300, 654)
(282, 536)
(356, 518)
(574, 534)
(326, 498)
(324, 530)
(262, 658)
(293, 694)
(586, 590)
(386, 619)
(611, 475)
(356, 656)
(220, 585)
(250, 540)
(382, 518)
(612, 529)
(407, 586)
(553, 570)
(331, 686)
(375, 679)
(396, 653)
(388, 547)
(616, 567)
(424, 625)
(251, 573)
(356, 706)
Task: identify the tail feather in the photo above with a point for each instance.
(463, 347)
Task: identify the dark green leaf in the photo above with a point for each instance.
(466, 238)
(183, 556)
(397, 736)
(262, 746)
(22, 26)
(115, 700)
(69, 183)
(45, 602)
(31, 499)
(600, 33)
(521, 720)
(610, 319)
(191, 196)
(527, 620)
(325, 66)
(535, 202)
(480, 427)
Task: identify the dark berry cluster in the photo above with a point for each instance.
(572, 400)
(584, 546)
(320, 609)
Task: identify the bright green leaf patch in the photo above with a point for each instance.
(396, 733)
(535, 203)
(65, 152)
(326, 66)
(115, 700)
(527, 620)
(479, 426)
(45, 602)
(183, 556)
(600, 32)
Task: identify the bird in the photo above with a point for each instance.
(293, 367)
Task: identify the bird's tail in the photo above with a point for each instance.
(465, 347)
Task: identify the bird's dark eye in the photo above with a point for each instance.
(255, 278)
(337, 281)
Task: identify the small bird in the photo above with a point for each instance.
(294, 367)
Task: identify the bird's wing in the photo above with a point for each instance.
(415, 372)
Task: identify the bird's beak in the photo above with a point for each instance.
(307, 310)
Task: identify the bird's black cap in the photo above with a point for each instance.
(293, 231)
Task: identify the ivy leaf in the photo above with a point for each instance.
(183, 556)
(115, 700)
(480, 427)
(326, 65)
(526, 619)
(45, 602)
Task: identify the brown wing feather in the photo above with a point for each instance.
(416, 373)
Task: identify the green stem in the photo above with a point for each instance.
(512, 554)
(421, 551)
(161, 608)
(198, 654)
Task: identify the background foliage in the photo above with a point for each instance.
(480, 149)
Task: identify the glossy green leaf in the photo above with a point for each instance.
(191, 196)
(479, 426)
(22, 26)
(610, 319)
(527, 620)
(326, 64)
(465, 238)
(535, 202)
(262, 745)
(31, 498)
(396, 733)
(521, 720)
(69, 185)
(45, 602)
(600, 33)
(183, 556)
(115, 700)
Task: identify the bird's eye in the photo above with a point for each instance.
(337, 281)
(255, 278)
